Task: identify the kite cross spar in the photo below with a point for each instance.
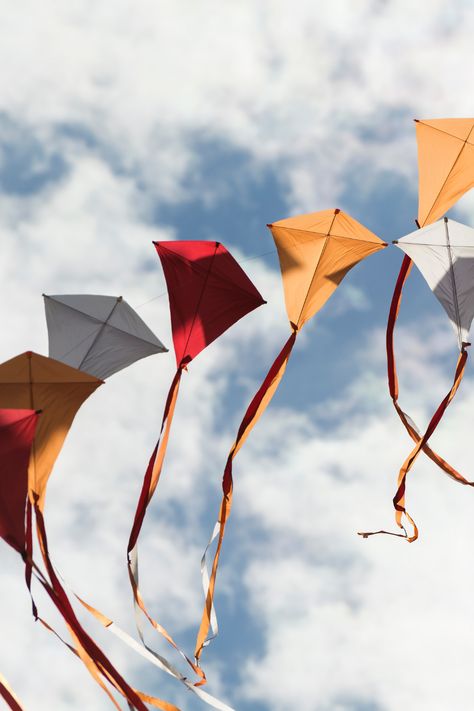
(315, 251)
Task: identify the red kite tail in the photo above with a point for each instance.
(29, 555)
(9, 696)
(421, 441)
(92, 656)
(255, 410)
(408, 423)
(155, 465)
(150, 483)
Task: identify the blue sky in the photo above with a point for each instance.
(181, 121)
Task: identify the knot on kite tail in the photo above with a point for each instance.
(366, 534)
(464, 345)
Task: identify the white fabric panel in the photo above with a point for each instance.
(97, 334)
(126, 319)
(444, 254)
(70, 336)
(114, 350)
(95, 305)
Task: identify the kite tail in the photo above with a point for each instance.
(150, 482)
(29, 555)
(408, 423)
(155, 465)
(90, 662)
(255, 410)
(91, 655)
(399, 498)
(9, 696)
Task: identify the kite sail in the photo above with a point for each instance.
(39, 383)
(316, 251)
(17, 431)
(444, 254)
(445, 165)
(208, 292)
(97, 334)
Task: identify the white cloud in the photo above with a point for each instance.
(128, 96)
(316, 94)
(348, 621)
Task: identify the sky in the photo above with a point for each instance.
(125, 123)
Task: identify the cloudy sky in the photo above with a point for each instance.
(127, 122)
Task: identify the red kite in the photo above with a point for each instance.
(208, 292)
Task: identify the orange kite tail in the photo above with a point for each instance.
(255, 410)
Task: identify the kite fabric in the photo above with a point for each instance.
(17, 431)
(208, 292)
(315, 251)
(445, 165)
(40, 383)
(97, 334)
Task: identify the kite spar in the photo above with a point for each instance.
(315, 251)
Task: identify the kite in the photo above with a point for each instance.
(315, 252)
(444, 254)
(97, 334)
(445, 165)
(446, 172)
(208, 292)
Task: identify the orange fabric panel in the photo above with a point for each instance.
(316, 251)
(34, 381)
(445, 165)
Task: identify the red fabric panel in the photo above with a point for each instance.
(17, 431)
(208, 292)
